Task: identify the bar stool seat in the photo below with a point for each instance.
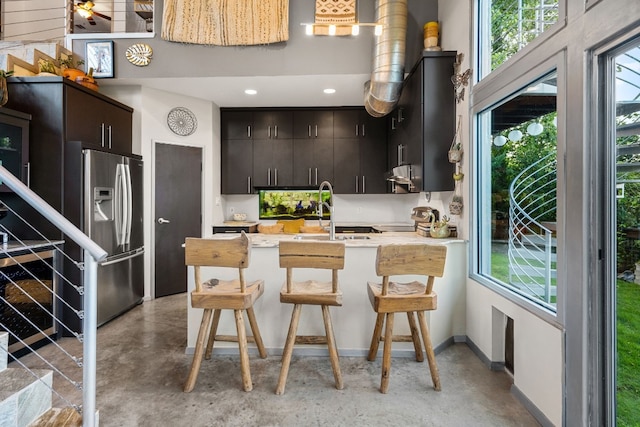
(216, 295)
(310, 255)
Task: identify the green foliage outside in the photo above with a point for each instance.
(628, 352)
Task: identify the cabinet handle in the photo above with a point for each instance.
(363, 134)
(102, 134)
(309, 137)
(364, 190)
(356, 130)
(269, 131)
(276, 131)
(249, 185)
(393, 123)
(248, 131)
(27, 166)
(316, 176)
(309, 173)
(356, 183)
(399, 154)
(316, 131)
(269, 176)
(109, 128)
(275, 176)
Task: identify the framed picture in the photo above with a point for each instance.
(99, 56)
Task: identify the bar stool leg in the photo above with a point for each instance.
(244, 354)
(375, 339)
(197, 355)
(386, 354)
(331, 343)
(288, 348)
(431, 357)
(212, 334)
(417, 345)
(256, 333)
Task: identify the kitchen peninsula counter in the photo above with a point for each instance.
(353, 322)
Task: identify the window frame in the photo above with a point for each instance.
(513, 80)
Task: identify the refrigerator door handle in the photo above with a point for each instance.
(134, 254)
(121, 204)
(128, 205)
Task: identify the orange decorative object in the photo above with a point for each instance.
(72, 73)
(87, 81)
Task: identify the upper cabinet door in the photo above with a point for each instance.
(312, 124)
(273, 124)
(346, 124)
(236, 124)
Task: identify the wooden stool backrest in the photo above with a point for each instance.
(417, 259)
(233, 253)
(322, 255)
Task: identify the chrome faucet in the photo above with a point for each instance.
(332, 226)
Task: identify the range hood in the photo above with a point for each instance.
(405, 176)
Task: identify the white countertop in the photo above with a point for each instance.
(356, 240)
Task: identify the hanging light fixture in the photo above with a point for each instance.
(515, 135)
(535, 129)
(499, 141)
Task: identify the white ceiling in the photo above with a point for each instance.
(273, 91)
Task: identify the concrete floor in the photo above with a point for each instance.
(142, 367)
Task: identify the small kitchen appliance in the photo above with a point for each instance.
(423, 216)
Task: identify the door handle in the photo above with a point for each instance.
(163, 221)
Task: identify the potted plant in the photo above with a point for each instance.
(4, 94)
(70, 66)
(47, 68)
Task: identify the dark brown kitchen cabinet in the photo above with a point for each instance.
(422, 126)
(96, 123)
(272, 162)
(360, 152)
(236, 157)
(313, 124)
(236, 124)
(272, 124)
(14, 144)
(312, 161)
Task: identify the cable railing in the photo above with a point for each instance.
(46, 329)
(532, 244)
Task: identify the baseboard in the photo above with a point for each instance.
(531, 407)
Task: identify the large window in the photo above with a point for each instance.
(517, 193)
(506, 26)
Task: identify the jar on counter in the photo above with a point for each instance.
(431, 34)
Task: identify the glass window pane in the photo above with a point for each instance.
(517, 194)
(506, 26)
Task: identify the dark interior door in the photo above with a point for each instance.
(178, 208)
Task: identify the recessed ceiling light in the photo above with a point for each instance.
(329, 91)
(250, 91)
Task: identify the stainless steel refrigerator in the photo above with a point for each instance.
(113, 218)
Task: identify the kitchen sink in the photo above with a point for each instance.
(326, 237)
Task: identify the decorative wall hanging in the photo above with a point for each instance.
(139, 54)
(459, 80)
(226, 22)
(182, 121)
(455, 156)
(335, 12)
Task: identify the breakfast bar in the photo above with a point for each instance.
(354, 320)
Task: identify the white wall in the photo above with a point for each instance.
(538, 346)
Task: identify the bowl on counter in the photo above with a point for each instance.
(239, 216)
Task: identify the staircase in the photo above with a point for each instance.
(24, 58)
(25, 396)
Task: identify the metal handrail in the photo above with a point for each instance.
(93, 253)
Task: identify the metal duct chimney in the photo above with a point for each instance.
(383, 90)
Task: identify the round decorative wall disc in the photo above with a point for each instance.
(182, 121)
(139, 54)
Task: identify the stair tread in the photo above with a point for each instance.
(16, 379)
(59, 417)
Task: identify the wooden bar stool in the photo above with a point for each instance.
(317, 255)
(391, 297)
(215, 295)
